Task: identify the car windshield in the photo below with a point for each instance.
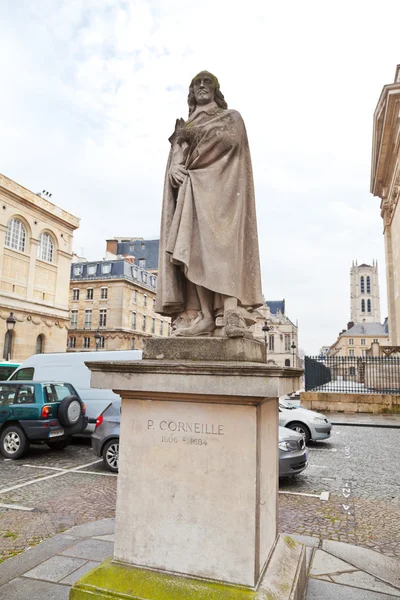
(286, 405)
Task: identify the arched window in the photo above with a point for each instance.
(45, 249)
(8, 340)
(40, 344)
(363, 306)
(369, 305)
(287, 362)
(16, 235)
(362, 284)
(368, 284)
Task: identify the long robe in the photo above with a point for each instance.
(208, 225)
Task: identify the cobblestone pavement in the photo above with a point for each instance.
(361, 461)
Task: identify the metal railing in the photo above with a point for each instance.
(352, 374)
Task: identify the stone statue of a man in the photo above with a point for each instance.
(209, 268)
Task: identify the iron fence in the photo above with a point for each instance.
(352, 374)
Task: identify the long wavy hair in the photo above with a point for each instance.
(219, 97)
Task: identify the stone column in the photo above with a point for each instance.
(198, 482)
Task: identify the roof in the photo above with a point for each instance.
(366, 329)
(113, 269)
(276, 306)
(141, 249)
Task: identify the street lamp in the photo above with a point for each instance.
(97, 339)
(293, 347)
(265, 329)
(11, 320)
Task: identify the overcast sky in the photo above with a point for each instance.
(90, 90)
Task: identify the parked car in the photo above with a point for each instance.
(70, 366)
(6, 369)
(312, 425)
(38, 412)
(105, 443)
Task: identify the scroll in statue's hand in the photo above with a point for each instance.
(177, 174)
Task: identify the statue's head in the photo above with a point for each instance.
(203, 89)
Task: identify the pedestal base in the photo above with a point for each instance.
(284, 579)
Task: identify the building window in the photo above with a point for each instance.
(142, 245)
(352, 371)
(271, 343)
(16, 235)
(134, 297)
(45, 249)
(78, 269)
(92, 270)
(369, 306)
(144, 323)
(71, 343)
(144, 299)
(133, 320)
(75, 294)
(376, 340)
(287, 362)
(363, 342)
(364, 353)
(351, 342)
(74, 319)
(103, 293)
(362, 284)
(142, 263)
(363, 306)
(133, 344)
(351, 352)
(161, 327)
(287, 344)
(89, 294)
(144, 276)
(88, 318)
(86, 342)
(153, 281)
(106, 269)
(103, 317)
(368, 285)
(40, 344)
(153, 326)
(134, 272)
(101, 341)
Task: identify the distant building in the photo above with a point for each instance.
(35, 259)
(385, 183)
(357, 339)
(364, 293)
(113, 300)
(144, 252)
(282, 334)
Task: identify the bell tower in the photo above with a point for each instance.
(364, 293)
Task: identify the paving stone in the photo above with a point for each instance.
(30, 589)
(322, 590)
(324, 564)
(73, 577)
(90, 550)
(365, 581)
(96, 528)
(16, 566)
(384, 567)
(55, 569)
(105, 538)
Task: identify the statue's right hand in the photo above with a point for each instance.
(177, 174)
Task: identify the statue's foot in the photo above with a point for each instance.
(235, 326)
(200, 326)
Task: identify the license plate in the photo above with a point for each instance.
(56, 433)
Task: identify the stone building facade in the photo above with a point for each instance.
(113, 299)
(282, 334)
(35, 259)
(364, 293)
(358, 339)
(385, 183)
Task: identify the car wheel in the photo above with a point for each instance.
(111, 455)
(59, 444)
(13, 442)
(302, 429)
(70, 411)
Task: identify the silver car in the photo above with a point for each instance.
(312, 425)
(105, 443)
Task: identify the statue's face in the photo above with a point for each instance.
(204, 89)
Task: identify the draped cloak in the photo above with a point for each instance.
(208, 225)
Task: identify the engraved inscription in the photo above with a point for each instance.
(172, 429)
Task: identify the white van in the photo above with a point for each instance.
(70, 367)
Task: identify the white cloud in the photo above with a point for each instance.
(91, 90)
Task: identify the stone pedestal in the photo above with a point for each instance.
(198, 482)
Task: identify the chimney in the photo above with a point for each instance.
(112, 246)
(350, 324)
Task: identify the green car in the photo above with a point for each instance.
(38, 412)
